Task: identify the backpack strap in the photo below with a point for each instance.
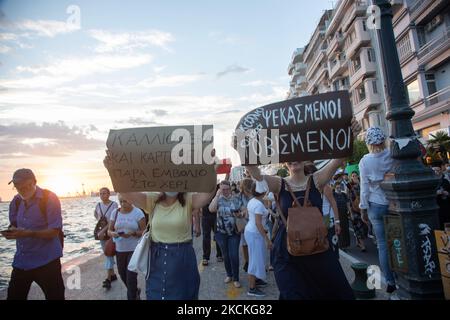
(295, 200)
(43, 204)
(107, 209)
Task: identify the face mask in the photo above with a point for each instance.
(171, 194)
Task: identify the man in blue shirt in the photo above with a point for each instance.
(36, 225)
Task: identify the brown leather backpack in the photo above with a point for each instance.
(306, 231)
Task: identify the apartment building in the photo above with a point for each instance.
(422, 31)
(340, 56)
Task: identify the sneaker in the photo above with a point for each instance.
(260, 283)
(391, 288)
(205, 262)
(227, 280)
(255, 292)
(219, 259)
(245, 267)
(237, 284)
(107, 284)
(113, 278)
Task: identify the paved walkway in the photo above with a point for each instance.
(212, 286)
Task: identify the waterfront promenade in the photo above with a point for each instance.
(212, 286)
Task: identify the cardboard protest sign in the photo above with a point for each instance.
(306, 128)
(176, 158)
(443, 248)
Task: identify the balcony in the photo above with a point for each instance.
(357, 37)
(435, 49)
(301, 83)
(290, 68)
(435, 104)
(337, 67)
(300, 68)
(314, 82)
(316, 61)
(369, 99)
(366, 67)
(335, 44)
(297, 56)
(422, 10)
(438, 98)
(357, 9)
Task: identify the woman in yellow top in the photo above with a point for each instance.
(173, 272)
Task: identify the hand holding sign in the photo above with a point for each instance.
(155, 159)
(306, 128)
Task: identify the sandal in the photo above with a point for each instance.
(205, 262)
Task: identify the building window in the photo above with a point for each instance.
(431, 83)
(425, 132)
(374, 87)
(371, 55)
(361, 93)
(413, 91)
(364, 25)
(404, 47)
(356, 64)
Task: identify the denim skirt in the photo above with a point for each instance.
(173, 272)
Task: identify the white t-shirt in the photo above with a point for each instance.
(105, 209)
(255, 207)
(128, 223)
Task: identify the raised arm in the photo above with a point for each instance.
(324, 175)
(274, 183)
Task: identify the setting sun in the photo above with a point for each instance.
(63, 184)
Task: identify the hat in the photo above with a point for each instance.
(22, 175)
(375, 136)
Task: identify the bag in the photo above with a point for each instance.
(43, 209)
(110, 245)
(241, 222)
(101, 224)
(110, 248)
(306, 231)
(140, 260)
(141, 257)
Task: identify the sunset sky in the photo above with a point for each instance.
(64, 84)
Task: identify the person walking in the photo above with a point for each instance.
(258, 241)
(103, 210)
(228, 207)
(311, 277)
(126, 227)
(373, 201)
(36, 225)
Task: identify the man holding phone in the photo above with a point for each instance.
(36, 224)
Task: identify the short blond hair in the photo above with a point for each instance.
(377, 148)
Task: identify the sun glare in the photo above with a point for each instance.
(63, 185)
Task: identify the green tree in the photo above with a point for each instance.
(282, 172)
(439, 139)
(359, 150)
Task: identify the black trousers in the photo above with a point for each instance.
(48, 277)
(208, 226)
(129, 278)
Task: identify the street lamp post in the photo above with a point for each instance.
(411, 188)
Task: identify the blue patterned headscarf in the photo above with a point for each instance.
(375, 136)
